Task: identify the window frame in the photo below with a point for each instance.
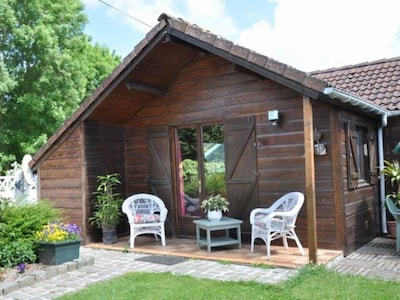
(360, 154)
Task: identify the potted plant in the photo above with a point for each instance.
(391, 171)
(107, 207)
(58, 243)
(214, 205)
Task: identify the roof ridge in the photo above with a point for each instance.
(358, 65)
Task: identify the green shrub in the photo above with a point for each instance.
(16, 252)
(18, 224)
(215, 184)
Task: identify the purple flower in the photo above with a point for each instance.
(21, 268)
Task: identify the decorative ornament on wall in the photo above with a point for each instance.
(319, 148)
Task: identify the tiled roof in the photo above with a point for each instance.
(377, 81)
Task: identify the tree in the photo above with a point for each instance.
(50, 65)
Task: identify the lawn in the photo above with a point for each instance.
(312, 282)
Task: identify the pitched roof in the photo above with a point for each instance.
(376, 81)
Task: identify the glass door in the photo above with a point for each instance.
(201, 159)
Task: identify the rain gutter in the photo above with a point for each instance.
(372, 108)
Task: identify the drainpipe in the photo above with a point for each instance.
(382, 178)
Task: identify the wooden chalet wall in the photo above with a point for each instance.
(361, 204)
(208, 90)
(104, 154)
(211, 89)
(62, 179)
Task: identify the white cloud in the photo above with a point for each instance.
(306, 34)
(209, 14)
(312, 34)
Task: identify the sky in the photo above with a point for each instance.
(308, 35)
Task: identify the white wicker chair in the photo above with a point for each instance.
(277, 221)
(146, 215)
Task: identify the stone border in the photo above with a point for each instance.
(40, 275)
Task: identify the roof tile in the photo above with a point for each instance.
(371, 81)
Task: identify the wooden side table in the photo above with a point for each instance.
(224, 224)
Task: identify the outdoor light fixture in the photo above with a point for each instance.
(273, 117)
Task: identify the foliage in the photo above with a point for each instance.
(312, 282)
(18, 225)
(215, 184)
(391, 171)
(190, 170)
(58, 232)
(215, 202)
(16, 252)
(107, 204)
(47, 67)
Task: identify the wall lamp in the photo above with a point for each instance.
(273, 117)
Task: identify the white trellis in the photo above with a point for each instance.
(19, 182)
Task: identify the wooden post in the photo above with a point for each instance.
(310, 179)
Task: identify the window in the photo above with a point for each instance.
(361, 155)
(201, 158)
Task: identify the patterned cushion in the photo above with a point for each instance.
(261, 221)
(146, 218)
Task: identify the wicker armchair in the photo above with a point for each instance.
(146, 215)
(277, 221)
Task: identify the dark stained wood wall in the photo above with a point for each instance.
(62, 177)
(211, 89)
(361, 204)
(104, 154)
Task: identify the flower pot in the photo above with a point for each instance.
(214, 215)
(391, 227)
(109, 236)
(55, 253)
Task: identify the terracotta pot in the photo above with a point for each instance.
(391, 226)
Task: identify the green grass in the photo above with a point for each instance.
(312, 282)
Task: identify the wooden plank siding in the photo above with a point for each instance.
(104, 154)
(62, 179)
(210, 89)
(360, 204)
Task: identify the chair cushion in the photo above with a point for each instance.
(261, 221)
(146, 218)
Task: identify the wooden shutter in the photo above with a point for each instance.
(372, 153)
(241, 168)
(159, 164)
(352, 156)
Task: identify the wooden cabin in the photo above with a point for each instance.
(187, 98)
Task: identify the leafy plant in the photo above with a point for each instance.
(16, 252)
(215, 202)
(107, 205)
(391, 171)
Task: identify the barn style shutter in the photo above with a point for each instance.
(352, 156)
(241, 168)
(159, 164)
(373, 168)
